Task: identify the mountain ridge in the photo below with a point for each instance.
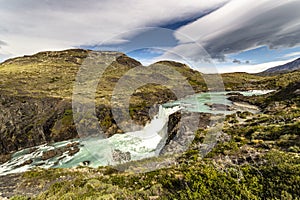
(288, 67)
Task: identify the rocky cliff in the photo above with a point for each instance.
(36, 96)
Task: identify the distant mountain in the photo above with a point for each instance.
(288, 67)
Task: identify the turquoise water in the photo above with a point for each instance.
(139, 144)
(197, 102)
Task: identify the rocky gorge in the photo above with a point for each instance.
(36, 105)
(36, 93)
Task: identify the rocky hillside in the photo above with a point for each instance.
(36, 93)
(246, 81)
(288, 67)
(256, 157)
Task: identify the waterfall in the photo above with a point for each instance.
(150, 140)
(136, 145)
(157, 129)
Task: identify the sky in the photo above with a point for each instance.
(211, 36)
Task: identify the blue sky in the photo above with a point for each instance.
(262, 58)
(264, 54)
(234, 35)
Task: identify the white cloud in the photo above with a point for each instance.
(248, 67)
(294, 54)
(219, 67)
(30, 26)
(241, 25)
(35, 25)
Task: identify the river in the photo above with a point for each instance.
(118, 148)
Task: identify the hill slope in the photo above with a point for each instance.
(36, 96)
(288, 67)
(256, 157)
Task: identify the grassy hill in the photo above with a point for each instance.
(246, 81)
(256, 157)
(36, 95)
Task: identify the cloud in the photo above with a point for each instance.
(3, 54)
(294, 54)
(36, 25)
(255, 68)
(237, 61)
(241, 25)
(2, 43)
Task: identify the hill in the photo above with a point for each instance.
(288, 67)
(36, 95)
(246, 81)
(256, 155)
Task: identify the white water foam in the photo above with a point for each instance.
(140, 144)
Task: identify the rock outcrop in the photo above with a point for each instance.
(27, 121)
(36, 97)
